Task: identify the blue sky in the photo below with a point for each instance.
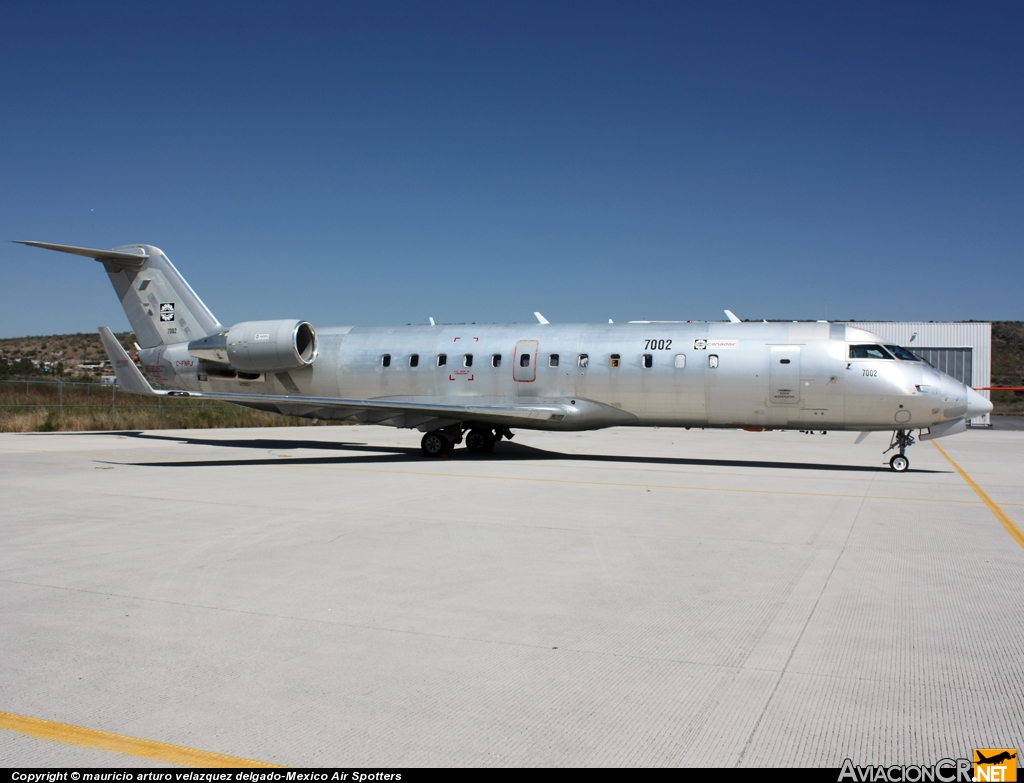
(379, 163)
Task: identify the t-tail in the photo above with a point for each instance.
(161, 307)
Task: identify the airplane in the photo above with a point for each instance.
(476, 382)
(996, 759)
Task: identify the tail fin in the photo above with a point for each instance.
(161, 307)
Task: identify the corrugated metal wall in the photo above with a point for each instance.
(955, 362)
(948, 344)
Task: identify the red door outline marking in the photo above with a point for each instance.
(519, 373)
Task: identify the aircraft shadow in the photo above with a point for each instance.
(505, 451)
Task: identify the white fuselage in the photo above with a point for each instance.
(753, 375)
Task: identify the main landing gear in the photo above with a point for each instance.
(902, 440)
(434, 444)
(479, 440)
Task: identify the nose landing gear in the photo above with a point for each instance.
(902, 440)
(899, 463)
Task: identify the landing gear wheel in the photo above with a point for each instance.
(899, 463)
(480, 441)
(902, 440)
(434, 444)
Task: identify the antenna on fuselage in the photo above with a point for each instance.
(541, 319)
(732, 316)
(432, 322)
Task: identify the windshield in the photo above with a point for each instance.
(903, 353)
(869, 352)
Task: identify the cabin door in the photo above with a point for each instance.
(524, 361)
(785, 375)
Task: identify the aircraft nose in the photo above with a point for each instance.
(977, 405)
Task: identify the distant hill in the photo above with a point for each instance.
(1008, 353)
(20, 356)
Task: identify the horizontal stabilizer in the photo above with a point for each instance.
(131, 257)
(129, 378)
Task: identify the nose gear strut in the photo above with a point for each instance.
(901, 439)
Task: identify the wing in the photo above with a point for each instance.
(399, 411)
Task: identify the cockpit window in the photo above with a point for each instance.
(869, 352)
(902, 353)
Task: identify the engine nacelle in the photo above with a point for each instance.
(260, 346)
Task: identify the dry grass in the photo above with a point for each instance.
(45, 407)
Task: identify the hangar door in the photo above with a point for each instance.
(956, 362)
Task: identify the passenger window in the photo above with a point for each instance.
(385, 360)
(414, 360)
(614, 361)
(869, 352)
(442, 359)
(524, 360)
(648, 360)
(680, 361)
(712, 361)
(553, 360)
(583, 361)
(467, 360)
(496, 360)
(783, 361)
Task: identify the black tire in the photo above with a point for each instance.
(899, 463)
(480, 441)
(434, 444)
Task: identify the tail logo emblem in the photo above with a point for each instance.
(167, 311)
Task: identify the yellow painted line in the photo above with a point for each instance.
(1001, 515)
(67, 734)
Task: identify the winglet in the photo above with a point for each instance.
(129, 378)
(541, 319)
(732, 316)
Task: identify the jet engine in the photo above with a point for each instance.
(260, 346)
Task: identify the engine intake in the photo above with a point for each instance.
(260, 346)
